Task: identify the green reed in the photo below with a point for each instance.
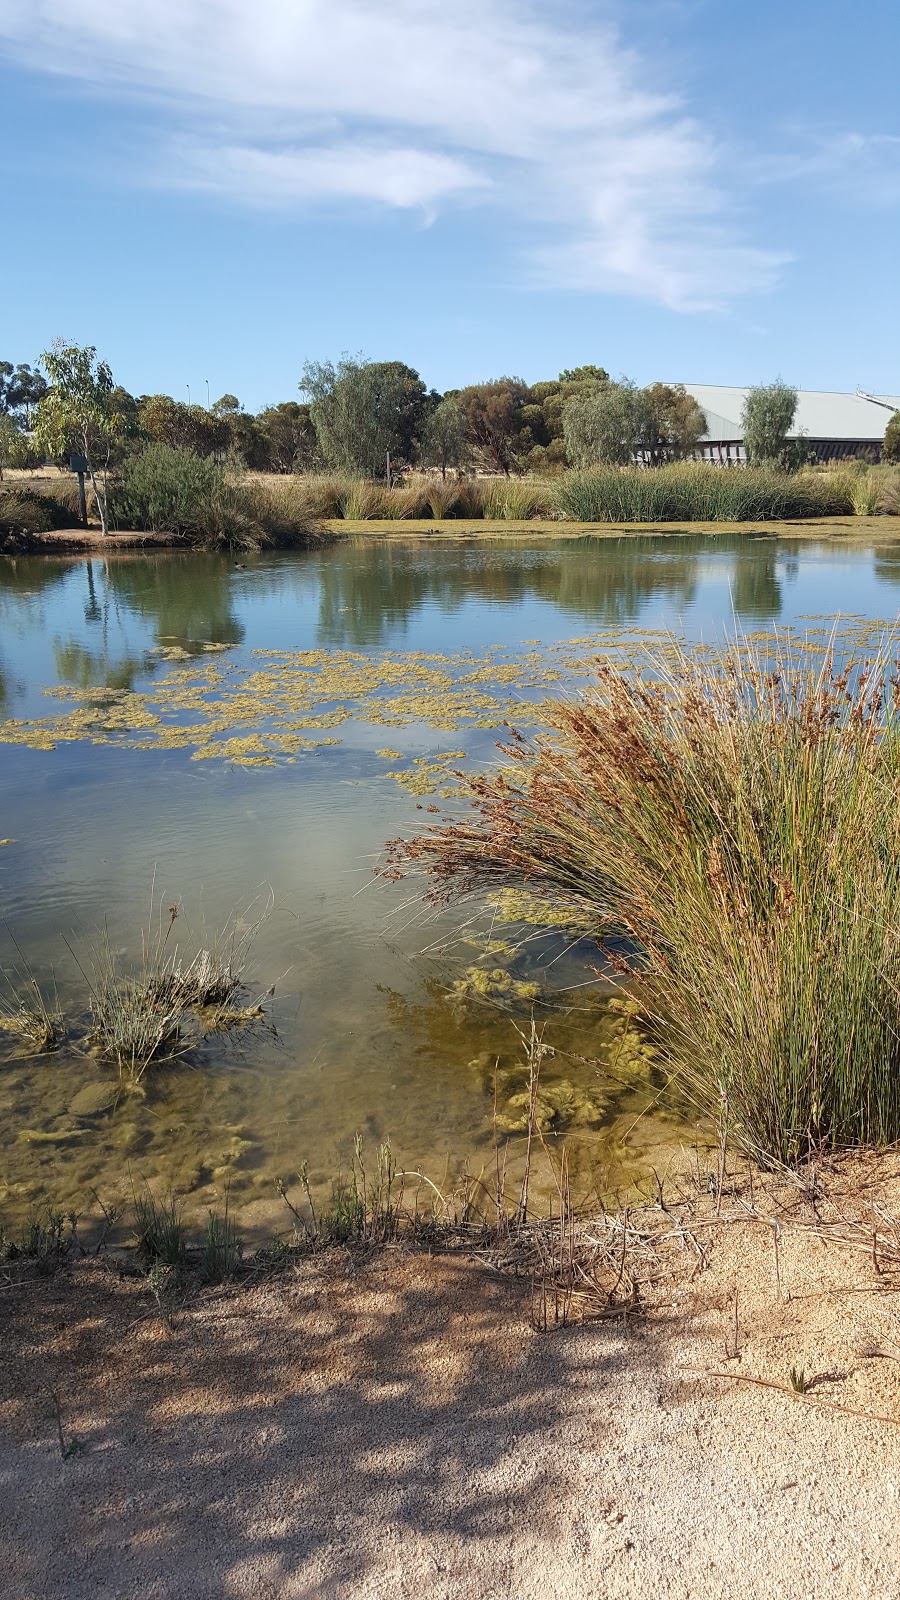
(691, 491)
(732, 826)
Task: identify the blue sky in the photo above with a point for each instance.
(679, 189)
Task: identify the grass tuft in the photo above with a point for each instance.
(159, 1229)
(222, 1249)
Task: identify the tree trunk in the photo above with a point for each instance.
(100, 498)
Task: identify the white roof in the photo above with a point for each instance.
(819, 415)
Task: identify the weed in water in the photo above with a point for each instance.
(356, 1209)
(24, 1011)
(730, 824)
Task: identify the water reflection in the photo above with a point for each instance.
(370, 593)
(188, 599)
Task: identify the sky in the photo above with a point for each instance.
(213, 191)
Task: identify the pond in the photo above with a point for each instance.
(238, 739)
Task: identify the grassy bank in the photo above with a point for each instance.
(731, 829)
(176, 494)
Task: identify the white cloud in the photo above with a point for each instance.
(423, 105)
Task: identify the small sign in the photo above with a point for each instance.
(78, 464)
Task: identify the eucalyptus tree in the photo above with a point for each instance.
(890, 450)
(444, 442)
(608, 424)
(492, 416)
(21, 389)
(767, 419)
(363, 411)
(78, 414)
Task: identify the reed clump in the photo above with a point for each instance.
(690, 491)
(731, 826)
(25, 1012)
(158, 1010)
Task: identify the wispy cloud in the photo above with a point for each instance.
(288, 103)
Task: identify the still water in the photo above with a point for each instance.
(232, 739)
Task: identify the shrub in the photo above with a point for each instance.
(169, 489)
(515, 500)
(732, 829)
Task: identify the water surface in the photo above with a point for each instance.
(373, 1026)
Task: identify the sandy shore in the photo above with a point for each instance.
(398, 1427)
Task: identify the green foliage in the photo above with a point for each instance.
(289, 437)
(222, 1248)
(359, 1208)
(607, 423)
(78, 413)
(692, 491)
(165, 489)
(170, 489)
(21, 390)
(444, 444)
(890, 450)
(731, 825)
(677, 422)
(10, 435)
(767, 419)
(494, 427)
(363, 409)
(163, 420)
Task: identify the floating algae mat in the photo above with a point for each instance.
(184, 731)
(289, 698)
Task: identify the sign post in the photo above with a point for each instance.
(78, 464)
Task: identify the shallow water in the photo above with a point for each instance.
(212, 740)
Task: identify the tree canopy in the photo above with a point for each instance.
(78, 414)
(362, 410)
(890, 450)
(767, 419)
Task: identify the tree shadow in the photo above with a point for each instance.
(309, 1437)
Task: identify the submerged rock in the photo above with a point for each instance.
(93, 1099)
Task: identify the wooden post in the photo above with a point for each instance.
(82, 500)
(388, 468)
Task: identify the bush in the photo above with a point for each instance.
(165, 489)
(691, 491)
(168, 489)
(731, 829)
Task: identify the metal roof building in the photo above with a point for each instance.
(833, 425)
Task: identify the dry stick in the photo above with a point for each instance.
(795, 1394)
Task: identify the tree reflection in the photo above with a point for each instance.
(187, 599)
(369, 593)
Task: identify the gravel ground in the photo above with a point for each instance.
(398, 1428)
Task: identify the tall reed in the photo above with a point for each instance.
(733, 825)
(690, 491)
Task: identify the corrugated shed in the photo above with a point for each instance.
(820, 415)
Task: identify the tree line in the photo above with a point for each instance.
(375, 417)
(355, 414)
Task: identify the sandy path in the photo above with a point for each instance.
(399, 1429)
